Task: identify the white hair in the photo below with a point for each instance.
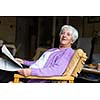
(72, 31)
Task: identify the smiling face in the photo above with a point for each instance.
(65, 38)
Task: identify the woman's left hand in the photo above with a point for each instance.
(25, 71)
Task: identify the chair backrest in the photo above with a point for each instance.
(76, 64)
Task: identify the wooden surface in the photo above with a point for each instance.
(59, 78)
(91, 70)
(89, 75)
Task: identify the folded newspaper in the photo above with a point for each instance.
(9, 65)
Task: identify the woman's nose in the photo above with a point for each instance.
(64, 34)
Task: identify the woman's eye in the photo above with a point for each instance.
(62, 32)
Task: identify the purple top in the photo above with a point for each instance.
(56, 63)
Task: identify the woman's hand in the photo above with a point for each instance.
(20, 60)
(25, 71)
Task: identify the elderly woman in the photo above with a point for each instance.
(54, 61)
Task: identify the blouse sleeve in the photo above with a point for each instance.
(28, 63)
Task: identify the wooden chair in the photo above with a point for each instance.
(74, 68)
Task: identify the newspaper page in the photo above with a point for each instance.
(8, 65)
(12, 65)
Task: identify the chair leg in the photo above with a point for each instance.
(68, 81)
(71, 81)
(16, 80)
(63, 81)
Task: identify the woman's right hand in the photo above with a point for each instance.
(20, 60)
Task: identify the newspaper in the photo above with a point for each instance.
(11, 65)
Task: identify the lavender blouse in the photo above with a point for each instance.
(56, 63)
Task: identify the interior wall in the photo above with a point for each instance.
(77, 22)
(26, 31)
(91, 26)
(44, 30)
(8, 28)
(91, 29)
(24, 36)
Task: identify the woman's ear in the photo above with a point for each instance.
(72, 41)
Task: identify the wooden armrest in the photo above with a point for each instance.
(60, 78)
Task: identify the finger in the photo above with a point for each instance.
(21, 72)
